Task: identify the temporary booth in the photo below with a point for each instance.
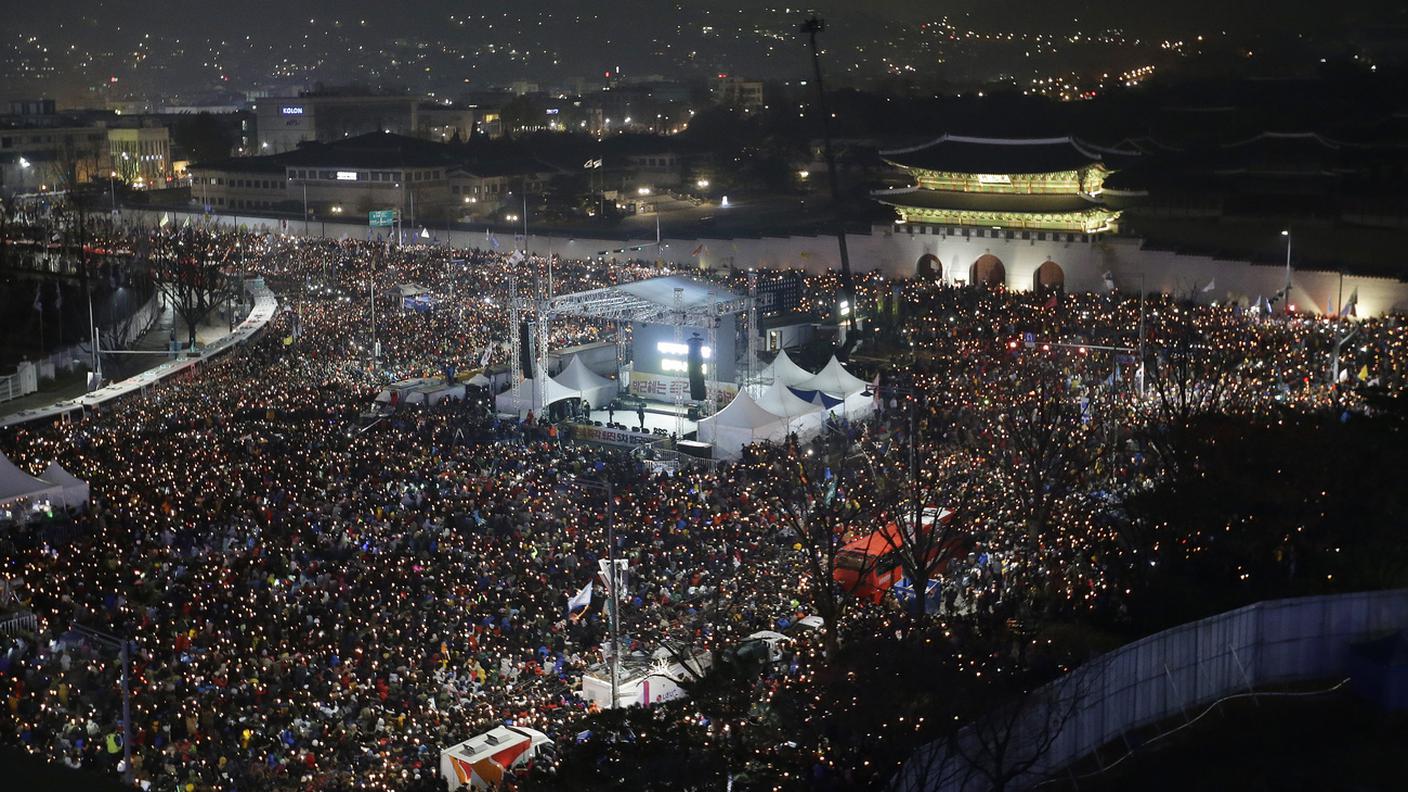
(596, 390)
(783, 370)
(741, 423)
(19, 489)
(533, 394)
(803, 417)
(75, 489)
(834, 379)
(481, 762)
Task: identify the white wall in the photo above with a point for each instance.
(897, 254)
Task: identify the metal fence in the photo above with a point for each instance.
(1151, 680)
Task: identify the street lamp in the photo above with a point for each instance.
(1286, 292)
(613, 590)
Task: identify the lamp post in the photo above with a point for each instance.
(1287, 290)
(124, 647)
(613, 593)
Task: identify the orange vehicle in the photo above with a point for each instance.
(868, 567)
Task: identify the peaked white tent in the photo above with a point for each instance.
(75, 489)
(835, 380)
(739, 424)
(800, 414)
(533, 394)
(595, 389)
(783, 370)
(17, 485)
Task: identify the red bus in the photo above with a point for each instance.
(869, 566)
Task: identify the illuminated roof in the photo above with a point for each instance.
(653, 300)
(986, 202)
(956, 154)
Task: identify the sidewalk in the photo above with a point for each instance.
(126, 373)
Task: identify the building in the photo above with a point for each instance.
(425, 179)
(737, 93)
(141, 156)
(1028, 184)
(325, 117)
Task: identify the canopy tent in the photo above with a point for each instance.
(481, 762)
(784, 370)
(739, 424)
(533, 394)
(17, 485)
(835, 380)
(595, 389)
(479, 381)
(75, 489)
(802, 416)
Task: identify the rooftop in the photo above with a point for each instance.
(957, 154)
(986, 202)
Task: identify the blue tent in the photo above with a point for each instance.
(904, 592)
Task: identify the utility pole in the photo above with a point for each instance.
(812, 27)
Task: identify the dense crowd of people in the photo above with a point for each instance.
(321, 601)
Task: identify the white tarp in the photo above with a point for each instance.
(595, 389)
(739, 424)
(835, 380)
(783, 370)
(75, 489)
(801, 415)
(533, 395)
(16, 485)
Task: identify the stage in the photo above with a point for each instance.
(657, 416)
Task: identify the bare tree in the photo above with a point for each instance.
(818, 514)
(189, 268)
(1009, 745)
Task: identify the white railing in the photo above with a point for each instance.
(1151, 680)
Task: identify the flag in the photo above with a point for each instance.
(592, 163)
(484, 359)
(1212, 284)
(581, 599)
(516, 257)
(697, 250)
(1109, 280)
(1364, 373)
(493, 242)
(1348, 308)
(1052, 301)
(424, 234)
(165, 220)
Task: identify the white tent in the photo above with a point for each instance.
(739, 424)
(835, 380)
(533, 395)
(75, 489)
(595, 389)
(801, 415)
(783, 370)
(17, 485)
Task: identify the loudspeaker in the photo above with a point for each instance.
(525, 349)
(697, 391)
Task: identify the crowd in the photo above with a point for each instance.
(323, 602)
